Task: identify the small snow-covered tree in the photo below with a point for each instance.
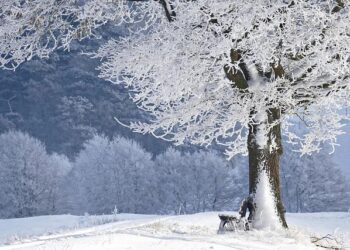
(114, 173)
(28, 176)
(133, 171)
(229, 72)
(59, 166)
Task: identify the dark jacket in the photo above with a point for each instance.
(247, 204)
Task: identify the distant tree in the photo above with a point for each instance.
(8, 114)
(196, 182)
(28, 176)
(114, 173)
(73, 118)
(313, 183)
(59, 168)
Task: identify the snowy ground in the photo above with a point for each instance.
(142, 232)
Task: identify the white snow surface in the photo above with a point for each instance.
(266, 214)
(185, 232)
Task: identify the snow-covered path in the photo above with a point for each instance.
(198, 231)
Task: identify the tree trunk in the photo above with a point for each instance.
(267, 158)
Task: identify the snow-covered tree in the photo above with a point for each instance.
(119, 173)
(29, 177)
(59, 166)
(114, 173)
(196, 182)
(232, 72)
(313, 183)
(221, 71)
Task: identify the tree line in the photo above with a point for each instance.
(118, 174)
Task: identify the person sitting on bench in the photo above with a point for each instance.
(247, 204)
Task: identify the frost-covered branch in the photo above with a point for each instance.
(37, 27)
(205, 76)
(205, 69)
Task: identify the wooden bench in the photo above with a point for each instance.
(232, 223)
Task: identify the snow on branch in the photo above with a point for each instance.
(204, 69)
(37, 27)
(205, 76)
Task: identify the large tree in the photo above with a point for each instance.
(210, 71)
(231, 72)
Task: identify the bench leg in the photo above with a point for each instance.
(221, 229)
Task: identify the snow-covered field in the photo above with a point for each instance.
(147, 232)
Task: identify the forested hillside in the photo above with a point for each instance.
(63, 102)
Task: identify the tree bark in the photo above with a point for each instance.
(267, 158)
